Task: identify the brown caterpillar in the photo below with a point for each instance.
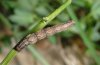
(34, 37)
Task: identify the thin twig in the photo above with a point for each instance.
(36, 28)
(34, 37)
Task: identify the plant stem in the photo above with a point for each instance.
(35, 37)
(47, 19)
(39, 26)
(9, 57)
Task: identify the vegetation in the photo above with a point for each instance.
(20, 17)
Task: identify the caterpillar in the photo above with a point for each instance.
(34, 37)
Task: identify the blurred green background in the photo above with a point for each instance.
(79, 45)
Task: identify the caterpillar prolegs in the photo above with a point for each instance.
(34, 37)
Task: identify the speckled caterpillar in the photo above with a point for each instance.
(34, 37)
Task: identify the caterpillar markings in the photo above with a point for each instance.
(34, 37)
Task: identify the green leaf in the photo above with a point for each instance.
(41, 10)
(95, 33)
(52, 39)
(22, 17)
(74, 28)
(25, 4)
(79, 2)
(96, 9)
(63, 17)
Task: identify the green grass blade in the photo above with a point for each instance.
(47, 19)
(9, 57)
(86, 41)
(37, 55)
(39, 26)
